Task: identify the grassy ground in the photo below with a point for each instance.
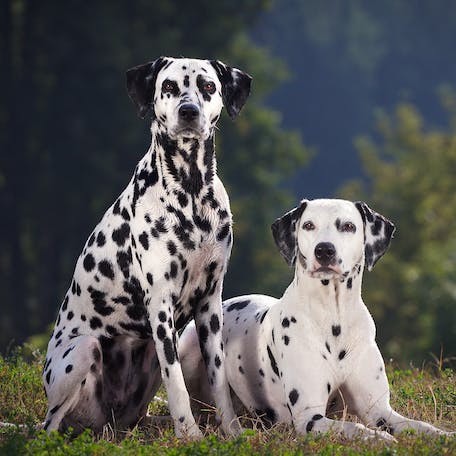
(428, 394)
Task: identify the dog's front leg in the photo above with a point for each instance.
(165, 338)
(387, 419)
(209, 321)
(312, 419)
(307, 395)
(370, 397)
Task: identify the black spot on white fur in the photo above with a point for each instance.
(238, 305)
(293, 396)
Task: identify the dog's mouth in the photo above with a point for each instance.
(188, 132)
(325, 272)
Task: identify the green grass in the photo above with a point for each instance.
(427, 394)
(22, 398)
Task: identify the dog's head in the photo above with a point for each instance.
(330, 237)
(186, 95)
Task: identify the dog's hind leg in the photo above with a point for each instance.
(73, 382)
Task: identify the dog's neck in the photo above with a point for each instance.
(183, 164)
(323, 299)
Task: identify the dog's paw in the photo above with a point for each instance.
(383, 435)
(233, 428)
(373, 434)
(191, 432)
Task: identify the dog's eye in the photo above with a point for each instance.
(308, 226)
(348, 227)
(209, 87)
(168, 86)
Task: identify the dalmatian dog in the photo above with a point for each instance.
(155, 261)
(312, 352)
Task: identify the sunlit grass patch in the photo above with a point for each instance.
(428, 394)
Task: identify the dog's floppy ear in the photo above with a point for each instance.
(235, 87)
(141, 85)
(284, 232)
(378, 232)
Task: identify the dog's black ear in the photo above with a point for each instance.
(235, 87)
(378, 232)
(141, 85)
(284, 232)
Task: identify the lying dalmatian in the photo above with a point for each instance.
(294, 359)
(156, 260)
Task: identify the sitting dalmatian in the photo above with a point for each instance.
(296, 359)
(155, 261)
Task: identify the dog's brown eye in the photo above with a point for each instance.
(348, 227)
(209, 87)
(168, 86)
(308, 226)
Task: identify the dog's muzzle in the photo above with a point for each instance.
(325, 264)
(189, 121)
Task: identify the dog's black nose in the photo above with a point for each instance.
(188, 112)
(325, 252)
